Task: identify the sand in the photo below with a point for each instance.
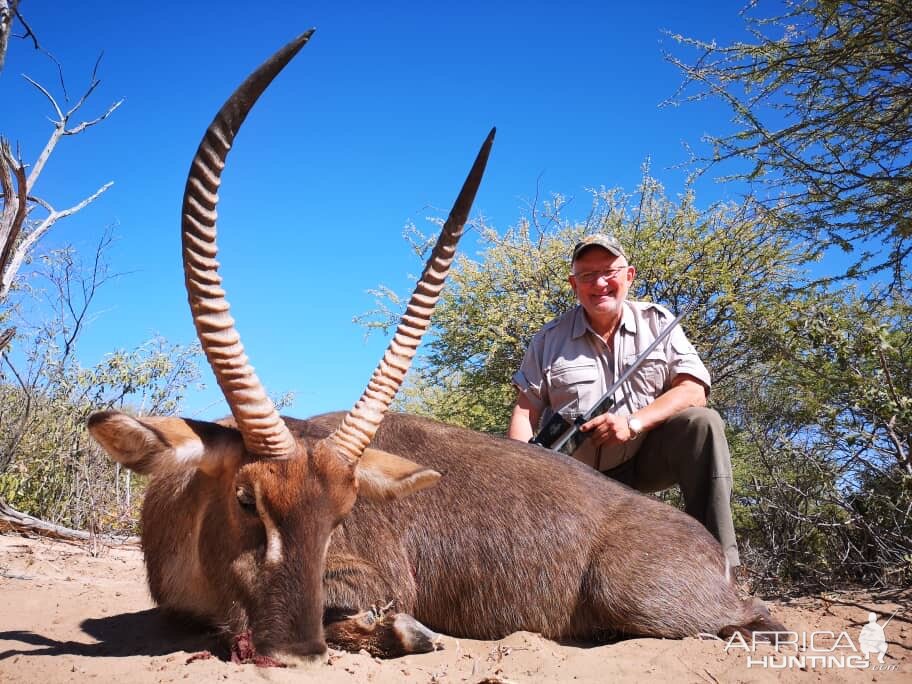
(72, 613)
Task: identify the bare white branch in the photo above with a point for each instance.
(7, 12)
(92, 85)
(60, 126)
(44, 204)
(44, 91)
(15, 203)
(23, 248)
(87, 124)
(44, 156)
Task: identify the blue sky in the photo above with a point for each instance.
(373, 125)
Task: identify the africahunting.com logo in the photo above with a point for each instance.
(819, 649)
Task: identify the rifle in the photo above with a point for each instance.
(558, 430)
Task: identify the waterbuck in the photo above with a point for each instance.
(288, 535)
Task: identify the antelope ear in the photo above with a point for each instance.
(157, 445)
(383, 476)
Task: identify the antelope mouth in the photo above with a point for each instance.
(300, 655)
(303, 656)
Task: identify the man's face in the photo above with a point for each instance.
(601, 281)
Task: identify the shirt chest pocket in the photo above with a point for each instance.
(649, 380)
(572, 387)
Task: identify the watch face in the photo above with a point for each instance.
(635, 426)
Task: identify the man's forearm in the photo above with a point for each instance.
(684, 395)
(522, 421)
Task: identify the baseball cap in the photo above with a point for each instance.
(602, 240)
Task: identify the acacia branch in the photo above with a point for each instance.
(6, 337)
(836, 75)
(19, 433)
(901, 456)
(89, 286)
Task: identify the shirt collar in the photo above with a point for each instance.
(628, 320)
(580, 326)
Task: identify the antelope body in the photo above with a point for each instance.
(286, 534)
(516, 537)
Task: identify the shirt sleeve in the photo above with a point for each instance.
(683, 358)
(530, 378)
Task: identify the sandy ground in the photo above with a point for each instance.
(68, 614)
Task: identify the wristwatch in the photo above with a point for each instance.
(635, 425)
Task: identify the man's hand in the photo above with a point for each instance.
(686, 391)
(607, 429)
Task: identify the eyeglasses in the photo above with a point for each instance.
(590, 277)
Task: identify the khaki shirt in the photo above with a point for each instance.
(568, 367)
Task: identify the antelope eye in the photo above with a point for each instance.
(246, 499)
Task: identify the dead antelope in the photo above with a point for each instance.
(289, 534)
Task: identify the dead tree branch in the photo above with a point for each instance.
(42, 228)
(60, 125)
(17, 235)
(15, 204)
(16, 521)
(8, 10)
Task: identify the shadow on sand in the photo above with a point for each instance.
(146, 633)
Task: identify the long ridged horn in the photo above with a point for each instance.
(263, 430)
(361, 423)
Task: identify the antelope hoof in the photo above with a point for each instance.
(415, 637)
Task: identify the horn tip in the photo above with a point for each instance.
(297, 43)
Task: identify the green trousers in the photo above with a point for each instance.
(689, 450)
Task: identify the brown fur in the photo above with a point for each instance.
(512, 537)
(515, 537)
(236, 529)
(205, 532)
